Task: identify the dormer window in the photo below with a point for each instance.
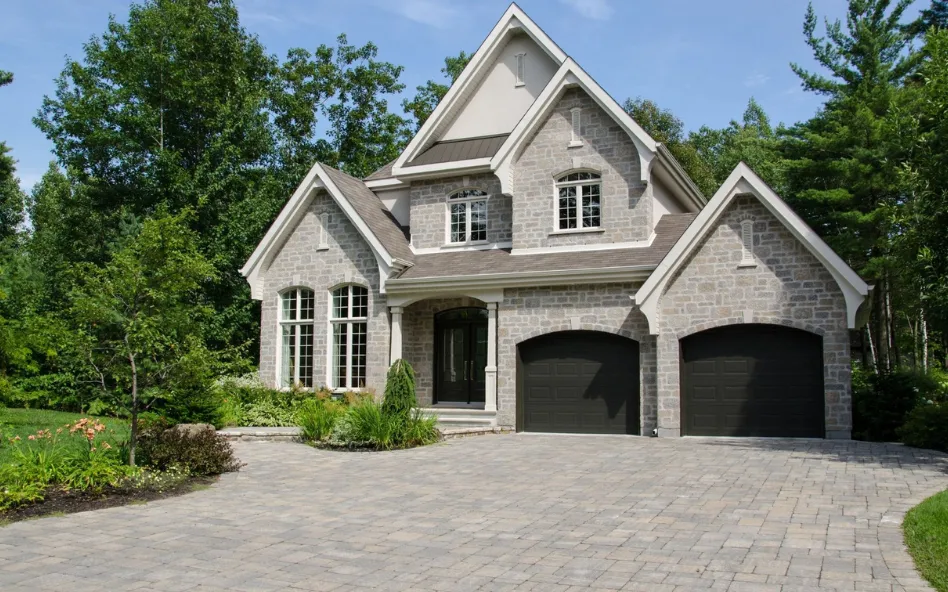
(578, 205)
(467, 217)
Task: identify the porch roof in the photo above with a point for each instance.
(457, 264)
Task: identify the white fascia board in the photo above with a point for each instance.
(676, 174)
(571, 74)
(631, 245)
(454, 248)
(744, 180)
(513, 18)
(522, 279)
(383, 184)
(473, 165)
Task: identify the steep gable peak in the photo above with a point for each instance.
(447, 121)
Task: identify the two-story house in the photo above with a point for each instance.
(544, 264)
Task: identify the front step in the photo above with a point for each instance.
(450, 418)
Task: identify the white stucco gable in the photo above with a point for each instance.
(493, 65)
(744, 181)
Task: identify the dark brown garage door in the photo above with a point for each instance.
(752, 380)
(579, 382)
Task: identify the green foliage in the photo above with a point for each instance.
(143, 310)
(419, 429)
(882, 402)
(926, 536)
(199, 452)
(926, 426)
(365, 425)
(317, 417)
(399, 397)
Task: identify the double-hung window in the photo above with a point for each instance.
(297, 314)
(467, 216)
(578, 201)
(349, 320)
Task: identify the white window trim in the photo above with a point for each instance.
(520, 70)
(747, 244)
(575, 128)
(281, 322)
(467, 219)
(579, 203)
(349, 321)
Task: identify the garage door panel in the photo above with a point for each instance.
(593, 379)
(766, 380)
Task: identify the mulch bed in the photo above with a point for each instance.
(61, 501)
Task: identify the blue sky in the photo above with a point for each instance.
(701, 59)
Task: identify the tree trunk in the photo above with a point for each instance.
(872, 349)
(882, 333)
(924, 324)
(133, 438)
(892, 328)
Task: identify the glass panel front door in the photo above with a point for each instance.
(461, 356)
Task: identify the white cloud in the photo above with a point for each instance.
(436, 13)
(756, 80)
(599, 10)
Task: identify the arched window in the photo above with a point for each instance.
(579, 201)
(467, 222)
(297, 314)
(349, 320)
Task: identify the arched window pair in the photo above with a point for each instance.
(579, 204)
(348, 319)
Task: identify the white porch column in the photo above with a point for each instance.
(490, 372)
(396, 351)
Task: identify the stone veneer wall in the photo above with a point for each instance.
(428, 212)
(530, 312)
(299, 264)
(607, 148)
(789, 286)
(418, 332)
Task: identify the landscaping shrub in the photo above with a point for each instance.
(399, 397)
(201, 451)
(396, 422)
(883, 401)
(246, 401)
(927, 427)
(316, 418)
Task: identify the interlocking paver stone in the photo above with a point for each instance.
(507, 512)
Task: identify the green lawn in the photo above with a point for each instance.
(23, 422)
(926, 534)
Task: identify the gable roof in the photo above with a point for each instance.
(743, 181)
(514, 19)
(385, 172)
(499, 265)
(363, 208)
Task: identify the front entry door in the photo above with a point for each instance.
(461, 355)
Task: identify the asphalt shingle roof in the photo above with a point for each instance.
(376, 216)
(472, 263)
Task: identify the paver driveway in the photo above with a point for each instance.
(513, 512)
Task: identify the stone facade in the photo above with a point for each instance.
(788, 286)
(299, 263)
(418, 332)
(607, 149)
(429, 211)
(530, 312)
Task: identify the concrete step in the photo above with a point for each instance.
(462, 417)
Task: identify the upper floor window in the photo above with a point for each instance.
(349, 320)
(467, 218)
(297, 314)
(579, 201)
(521, 69)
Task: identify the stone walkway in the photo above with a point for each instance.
(507, 512)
